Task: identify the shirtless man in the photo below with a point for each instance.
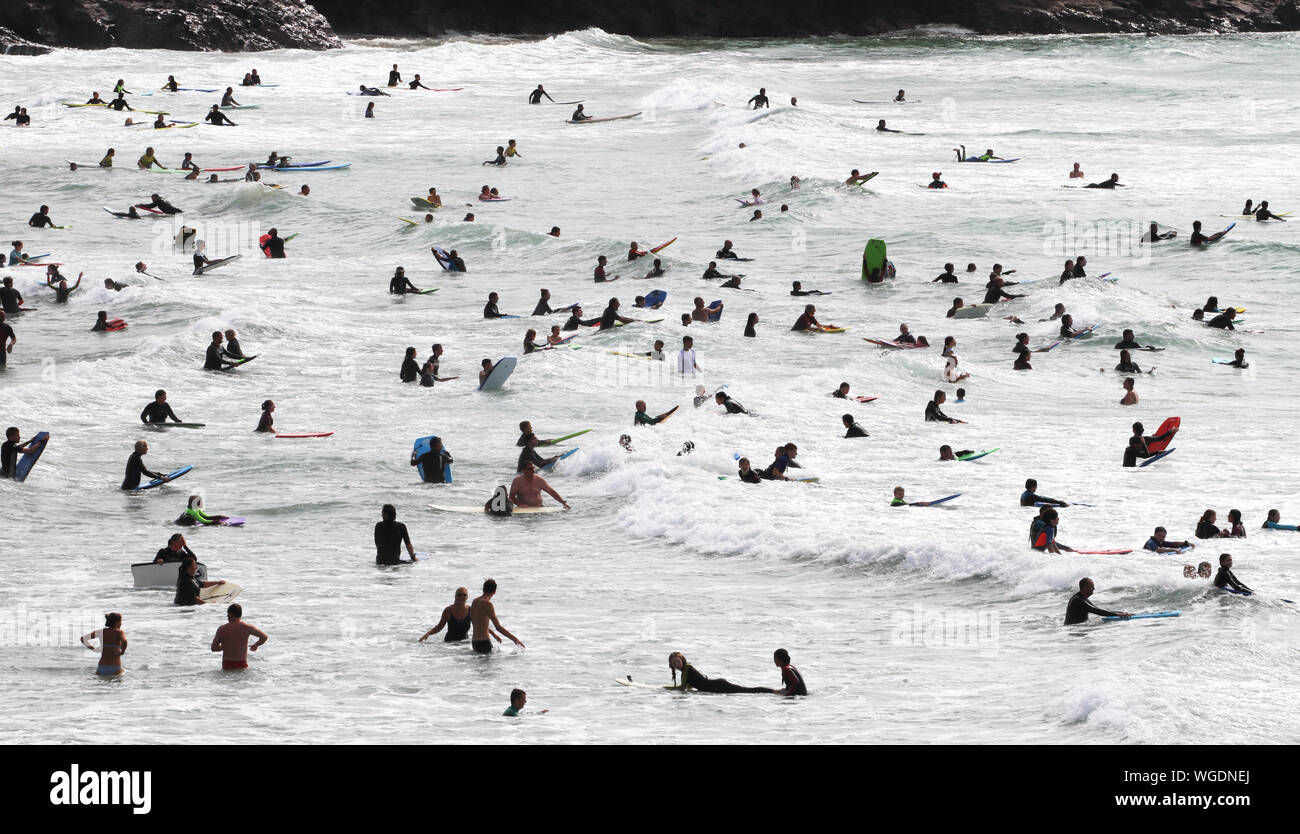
(527, 488)
(232, 639)
(483, 616)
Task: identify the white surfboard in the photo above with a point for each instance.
(501, 371)
(150, 575)
(220, 593)
(479, 510)
(973, 311)
(639, 685)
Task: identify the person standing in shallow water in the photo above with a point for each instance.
(112, 645)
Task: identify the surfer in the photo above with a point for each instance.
(61, 290)
(984, 157)
(543, 307)
(1139, 445)
(1226, 579)
(214, 359)
(1207, 529)
(856, 178)
(576, 320)
(1078, 609)
(578, 115)
(390, 535)
(1199, 239)
(759, 99)
(266, 422)
(135, 467)
(399, 284)
(599, 272)
(808, 319)
(946, 453)
(724, 400)
(529, 455)
(642, 418)
(936, 181)
(41, 218)
(512, 150)
(1223, 321)
(1126, 363)
(1042, 532)
(1076, 173)
(610, 316)
(1273, 522)
(1030, 498)
(1128, 342)
(273, 246)
(370, 91)
(13, 445)
(535, 97)
(1262, 213)
(1239, 359)
(189, 588)
(394, 77)
(159, 410)
(435, 462)
(231, 639)
(996, 293)
(880, 128)
(948, 276)
(726, 251)
(656, 270)
(500, 159)
(490, 310)
(746, 472)
(228, 98)
(1130, 394)
(750, 324)
(530, 342)
(1159, 543)
(1113, 182)
(633, 252)
(158, 204)
(692, 679)
(112, 641)
(783, 459)
(483, 615)
(796, 288)
(852, 429)
(194, 515)
(1154, 234)
(933, 413)
(417, 84)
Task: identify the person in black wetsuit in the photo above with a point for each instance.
(692, 679)
(119, 104)
(490, 310)
(399, 284)
(611, 315)
(732, 406)
(266, 422)
(135, 467)
(1160, 543)
(228, 98)
(1226, 579)
(1079, 608)
(1113, 182)
(535, 97)
(232, 348)
(175, 551)
(1207, 529)
(214, 361)
(1223, 321)
(576, 320)
(948, 276)
(1126, 363)
(1138, 444)
(578, 115)
(410, 368)
(526, 430)
(417, 84)
(159, 410)
(10, 298)
(274, 246)
(41, 219)
(101, 322)
(529, 455)
(394, 77)
(746, 472)
(455, 618)
(1030, 498)
(158, 203)
(188, 586)
(13, 447)
(543, 307)
(217, 118)
(1128, 342)
(435, 462)
(1239, 359)
(390, 535)
(852, 427)
(1262, 213)
(760, 100)
(791, 679)
(500, 159)
(934, 414)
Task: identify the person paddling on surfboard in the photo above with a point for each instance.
(1226, 579)
(1078, 609)
(856, 178)
(692, 679)
(1113, 182)
(1159, 543)
(880, 128)
(578, 115)
(1139, 444)
(1030, 498)
(135, 467)
(808, 319)
(984, 157)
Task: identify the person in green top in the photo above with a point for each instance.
(641, 418)
(518, 698)
(194, 514)
(898, 501)
(107, 161)
(147, 160)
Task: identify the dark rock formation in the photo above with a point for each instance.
(12, 44)
(783, 18)
(226, 25)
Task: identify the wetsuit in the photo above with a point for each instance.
(1040, 534)
(856, 431)
(529, 455)
(400, 285)
(691, 678)
(266, 423)
(1131, 455)
(490, 311)
(156, 412)
(199, 262)
(434, 466)
(758, 101)
(1128, 368)
(188, 590)
(1031, 499)
(40, 221)
(610, 316)
(732, 406)
(119, 104)
(535, 97)
(161, 205)
(61, 294)
(166, 554)
(457, 263)
(804, 322)
(578, 116)
(905, 338)
(394, 78)
(274, 246)
(711, 273)
(1106, 184)
(793, 681)
(750, 477)
(1065, 276)
(1222, 321)
(1226, 579)
(1127, 344)
(213, 361)
(8, 457)
(945, 278)
(726, 254)
(1022, 352)
(574, 323)
(232, 349)
(500, 160)
(11, 300)
(1199, 239)
(643, 419)
(1079, 608)
(934, 414)
(410, 370)
(134, 469)
(389, 538)
(1206, 530)
(543, 308)
(6, 333)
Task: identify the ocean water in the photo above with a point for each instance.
(910, 625)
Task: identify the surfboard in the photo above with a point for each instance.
(978, 455)
(884, 343)
(567, 436)
(936, 502)
(1153, 616)
(444, 259)
(861, 101)
(638, 685)
(221, 593)
(993, 161)
(1170, 424)
(972, 311)
(1115, 552)
(157, 482)
(151, 575)
(422, 447)
(715, 310)
(214, 264)
(873, 257)
(479, 510)
(422, 203)
(298, 435)
(551, 465)
(176, 425)
(232, 521)
(501, 371)
(662, 246)
(25, 463)
(1156, 457)
(112, 325)
(827, 329)
(655, 298)
(604, 119)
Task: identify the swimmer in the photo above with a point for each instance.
(231, 639)
(112, 641)
(1030, 498)
(1078, 609)
(1159, 543)
(642, 417)
(390, 535)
